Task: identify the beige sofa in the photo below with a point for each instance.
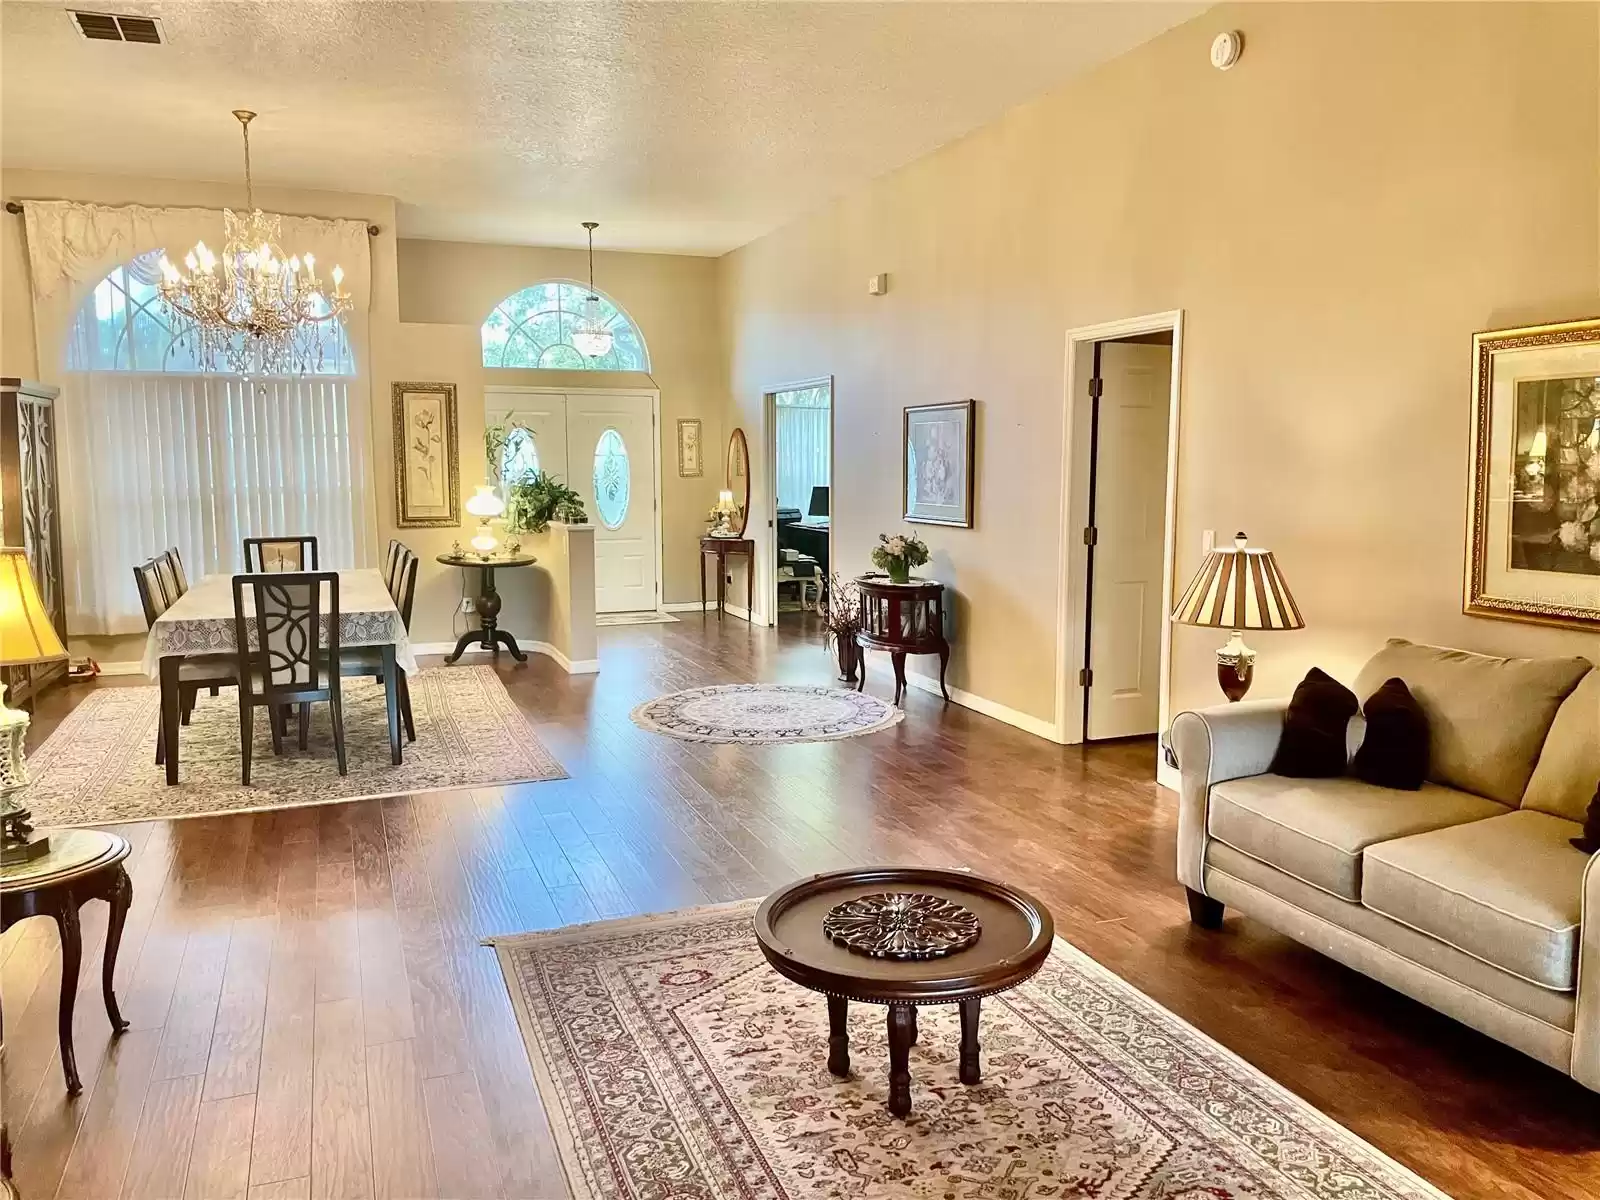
(1465, 895)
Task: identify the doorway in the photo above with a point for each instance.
(1118, 504)
(799, 423)
(604, 446)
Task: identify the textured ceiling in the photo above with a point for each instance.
(686, 127)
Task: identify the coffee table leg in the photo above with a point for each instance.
(121, 897)
(902, 1020)
(970, 1073)
(838, 1037)
(913, 1025)
(66, 916)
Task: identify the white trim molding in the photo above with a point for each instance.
(1037, 726)
(582, 666)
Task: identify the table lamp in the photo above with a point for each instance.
(724, 512)
(486, 506)
(26, 636)
(1238, 587)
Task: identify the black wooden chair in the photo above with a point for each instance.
(370, 660)
(197, 671)
(390, 560)
(294, 657)
(280, 554)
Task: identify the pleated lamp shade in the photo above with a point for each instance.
(1239, 587)
(26, 634)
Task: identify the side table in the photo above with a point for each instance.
(902, 618)
(83, 864)
(491, 637)
(720, 548)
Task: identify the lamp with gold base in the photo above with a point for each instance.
(26, 637)
(1238, 587)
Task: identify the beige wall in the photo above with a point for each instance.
(673, 300)
(1336, 216)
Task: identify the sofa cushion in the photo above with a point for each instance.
(1508, 890)
(1316, 829)
(1487, 717)
(1569, 764)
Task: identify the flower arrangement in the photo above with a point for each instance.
(899, 554)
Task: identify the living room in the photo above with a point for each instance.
(933, 209)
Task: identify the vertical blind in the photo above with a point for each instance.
(802, 450)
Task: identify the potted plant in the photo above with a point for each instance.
(841, 617)
(531, 504)
(898, 555)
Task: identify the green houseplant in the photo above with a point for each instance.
(531, 504)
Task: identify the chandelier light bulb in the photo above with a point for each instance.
(338, 275)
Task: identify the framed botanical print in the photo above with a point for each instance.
(937, 463)
(691, 463)
(1533, 534)
(427, 480)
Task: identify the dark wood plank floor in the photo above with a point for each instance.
(313, 1016)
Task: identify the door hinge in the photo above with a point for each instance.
(1097, 388)
(1085, 677)
(1091, 536)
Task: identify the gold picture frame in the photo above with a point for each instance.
(691, 448)
(1533, 527)
(427, 467)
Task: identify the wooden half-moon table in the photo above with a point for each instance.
(904, 937)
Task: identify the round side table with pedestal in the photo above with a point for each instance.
(491, 637)
(82, 864)
(902, 618)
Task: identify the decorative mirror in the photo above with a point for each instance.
(739, 478)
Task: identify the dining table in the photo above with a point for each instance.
(201, 622)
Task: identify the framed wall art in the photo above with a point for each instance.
(937, 463)
(427, 478)
(1533, 532)
(691, 462)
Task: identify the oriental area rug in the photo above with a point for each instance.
(98, 767)
(673, 1061)
(764, 714)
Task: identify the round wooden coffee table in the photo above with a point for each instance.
(904, 937)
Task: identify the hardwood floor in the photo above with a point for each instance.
(313, 1016)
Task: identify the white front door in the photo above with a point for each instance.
(611, 463)
(1127, 608)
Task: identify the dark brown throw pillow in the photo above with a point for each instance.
(1394, 752)
(1589, 843)
(1312, 745)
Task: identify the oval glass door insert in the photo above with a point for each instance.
(611, 479)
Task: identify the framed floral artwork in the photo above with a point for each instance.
(427, 473)
(691, 464)
(937, 464)
(1533, 534)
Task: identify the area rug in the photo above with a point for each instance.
(635, 618)
(759, 714)
(673, 1061)
(98, 767)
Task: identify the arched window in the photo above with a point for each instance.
(124, 326)
(534, 328)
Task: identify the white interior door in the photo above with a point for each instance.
(1127, 608)
(611, 460)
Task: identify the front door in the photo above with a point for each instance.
(611, 463)
(1130, 480)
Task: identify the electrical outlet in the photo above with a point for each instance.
(466, 604)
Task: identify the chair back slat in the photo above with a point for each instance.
(391, 563)
(152, 593)
(179, 576)
(280, 553)
(404, 588)
(296, 638)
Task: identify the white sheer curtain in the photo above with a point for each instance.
(153, 452)
(803, 461)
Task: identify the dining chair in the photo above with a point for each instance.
(280, 553)
(294, 657)
(169, 569)
(197, 671)
(391, 557)
(370, 660)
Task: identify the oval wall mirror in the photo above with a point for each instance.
(738, 477)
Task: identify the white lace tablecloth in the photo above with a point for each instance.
(201, 622)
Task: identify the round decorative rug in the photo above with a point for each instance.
(761, 714)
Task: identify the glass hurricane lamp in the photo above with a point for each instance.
(27, 636)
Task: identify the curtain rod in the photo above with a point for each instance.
(15, 210)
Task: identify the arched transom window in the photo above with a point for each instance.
(534, 328)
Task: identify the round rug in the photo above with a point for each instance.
(760, 714)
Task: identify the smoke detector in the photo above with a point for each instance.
(1226, 49)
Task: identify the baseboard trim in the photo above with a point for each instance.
(989, 708)
(581, 666)
(122, 668)
(733, 610)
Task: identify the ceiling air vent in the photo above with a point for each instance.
(109, 27)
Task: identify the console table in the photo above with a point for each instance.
(490, 636)
(902, 618)
(720, 548)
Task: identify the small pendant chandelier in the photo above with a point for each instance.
(251, 308)
(591, 338)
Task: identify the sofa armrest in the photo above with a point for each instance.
(1215, 744)
(1586, 1022)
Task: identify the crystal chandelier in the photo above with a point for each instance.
(249, 307)
(592, 338)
